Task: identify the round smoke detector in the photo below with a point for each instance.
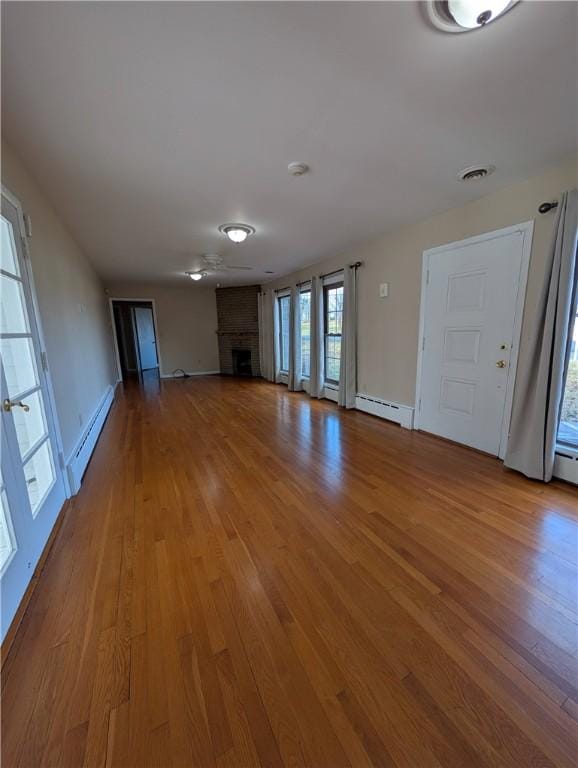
(476, 172)
(297, 169)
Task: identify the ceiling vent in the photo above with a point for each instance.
(475, 172)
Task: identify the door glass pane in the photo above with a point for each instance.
(39, 475)
(31, 426)
(13, 317)
(568, 428)
(333, 329)
(7, 543)
(19, 365)
(306, 334)
(8, 258)
(284, 309)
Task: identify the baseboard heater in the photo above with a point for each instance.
(80, 457)
(566, 466)
(400, 414)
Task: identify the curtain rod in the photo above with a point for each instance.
(355, 265)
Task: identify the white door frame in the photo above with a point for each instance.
(115, 340)
(526, 229)
(51, 404)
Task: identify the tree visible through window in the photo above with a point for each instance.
(568, 428)
(333, 306)
(284, 307)
(305, 299)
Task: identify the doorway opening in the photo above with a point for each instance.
(135, 336)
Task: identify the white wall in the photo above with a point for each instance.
(388, 328)
(187, 323)
(72, 307)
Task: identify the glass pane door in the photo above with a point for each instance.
(568, 428)
(22, 377)
(32, 486)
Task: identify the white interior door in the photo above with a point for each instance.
(146, 339)
(32, 488)
(471, 315)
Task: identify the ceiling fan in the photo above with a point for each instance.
(212, 262)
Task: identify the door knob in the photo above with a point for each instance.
(501, 364)
(9, 404)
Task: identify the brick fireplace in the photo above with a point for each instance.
(238, 330)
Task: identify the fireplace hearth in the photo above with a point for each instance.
(238, 330)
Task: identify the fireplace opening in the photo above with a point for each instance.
(242, 362)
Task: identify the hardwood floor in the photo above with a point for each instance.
(250, 577)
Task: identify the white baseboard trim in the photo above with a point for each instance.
(80, 456)
(400, 414)
(189, 373)
(566, 465)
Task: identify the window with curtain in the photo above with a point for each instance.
(284, 304)
(305, 299)
(333, 311)
(568, 427)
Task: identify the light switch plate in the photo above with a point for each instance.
(383, 290)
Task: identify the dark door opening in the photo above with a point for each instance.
(136, 338)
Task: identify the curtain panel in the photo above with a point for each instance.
(266, 308)
(317, 372)
(295, 381)
(348, 362)
(540, 384)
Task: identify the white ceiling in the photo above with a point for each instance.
(149, 124)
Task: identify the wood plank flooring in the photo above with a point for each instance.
(252, 578)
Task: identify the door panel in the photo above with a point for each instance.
(32, 485)
(147, 344)
(469, 317)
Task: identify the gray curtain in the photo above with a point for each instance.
(294, 382)
(317, 372)
(266, 334)
(348, 364)
(261, 321)
(540, 384)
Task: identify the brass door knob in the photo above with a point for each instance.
(501, 364)
(9, 404)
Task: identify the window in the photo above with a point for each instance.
(333, 308)
(305, 334)
(284, 319)
(568, 427)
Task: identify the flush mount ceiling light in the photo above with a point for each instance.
(465, 15)
(237, 233)
(196, 275)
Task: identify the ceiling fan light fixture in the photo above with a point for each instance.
(195, 275)
(237, 233)
(466, 15)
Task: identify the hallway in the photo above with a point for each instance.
(251, 577)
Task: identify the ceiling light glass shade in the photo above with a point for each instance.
(195, 275)
(475, 13)
(237, 233)
(466, 15)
